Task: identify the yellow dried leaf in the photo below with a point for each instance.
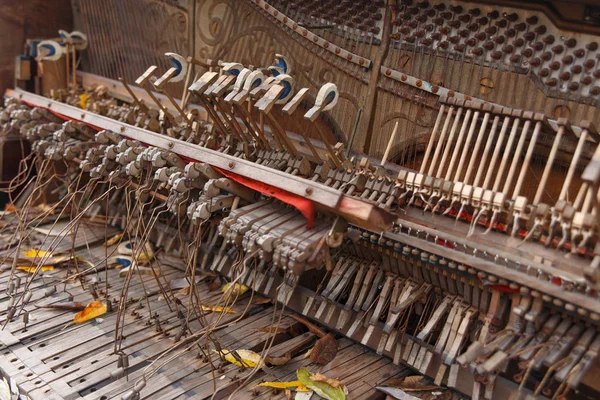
(83, 100)
(286, 385)
(91, 311)
(245, 358)
(145, 254)
(36, 253)
(113, 240)
(236, 289)
(308, 353)
(31, 270)
(217, 309)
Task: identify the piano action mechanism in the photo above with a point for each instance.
(408, 188)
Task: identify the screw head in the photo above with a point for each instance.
(308, 191)
(170, 145)
(231, 164)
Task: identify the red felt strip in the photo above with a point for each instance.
(305, 206)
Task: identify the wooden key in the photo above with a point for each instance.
(436, 318)
(382, 301)
(357, 285)
(339, 290)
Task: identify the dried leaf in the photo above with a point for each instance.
(10, 208)
(420, 388)
(261, 300)
(288, 394)
(412, 379)
(83, 98)
(242, 358)
(33, 253)
(91, 311)
(236, 289)
(330, 381)
(311, 327)
(214, 285)
(143, 255)
(217, 309)
(279, 360)
(411, 384)
(394, 382)
(323, 389)
(286, 385)
(31, 270)
(325, 350)
(184, 291)
(45, 208)
(113, 240)
(72, 306)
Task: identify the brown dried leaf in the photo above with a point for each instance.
(335, 383)
(311, 327)
(394, 382)
(411, 384)
(325, 350)
(412, 379)
(184, 291)
(261, 300)
(214, 285)
(279, 360)
(72, 306)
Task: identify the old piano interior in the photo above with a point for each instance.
(300, 199)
